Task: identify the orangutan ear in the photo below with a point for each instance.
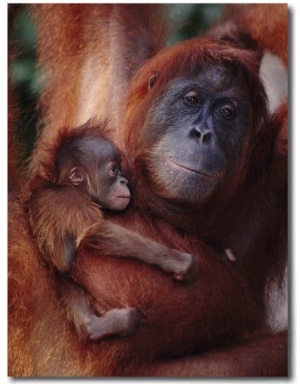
(76, 175)
(152, 80)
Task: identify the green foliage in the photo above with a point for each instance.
(24, 77)
(190, 20)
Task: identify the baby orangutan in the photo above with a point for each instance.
(81, 175)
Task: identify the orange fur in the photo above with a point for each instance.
(212, 310)
(93, 60)
(56, 213)
(267, 24)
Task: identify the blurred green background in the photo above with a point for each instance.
(189, 20)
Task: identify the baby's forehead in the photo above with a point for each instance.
(99, 147)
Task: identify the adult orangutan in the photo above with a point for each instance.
(205, 174)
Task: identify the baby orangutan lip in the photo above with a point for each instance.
(190, 169)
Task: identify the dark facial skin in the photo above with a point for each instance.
(200, 128)
(101, 174)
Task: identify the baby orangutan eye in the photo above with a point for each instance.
(112, 170)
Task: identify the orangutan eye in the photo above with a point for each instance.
(191, 98)
(113, 170)
(227, 112)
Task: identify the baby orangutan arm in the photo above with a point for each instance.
(110, 239)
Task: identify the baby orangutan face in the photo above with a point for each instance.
(99, 172)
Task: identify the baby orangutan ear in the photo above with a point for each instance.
(152, 80)
(76, 175)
